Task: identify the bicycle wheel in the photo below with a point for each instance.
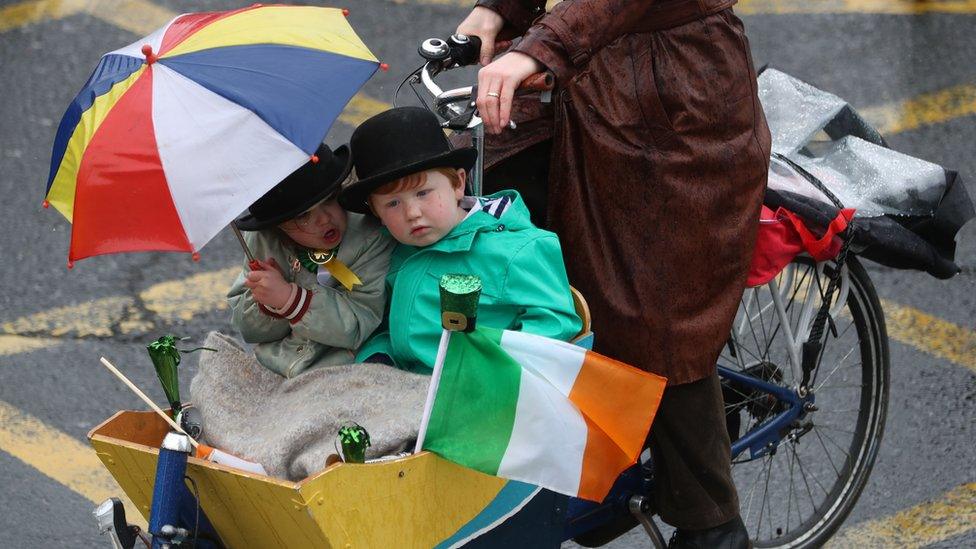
(800, 492)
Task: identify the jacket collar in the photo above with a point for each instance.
(514, 215)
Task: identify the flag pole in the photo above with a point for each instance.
(435, 379)
(459, 311)
(111, 367)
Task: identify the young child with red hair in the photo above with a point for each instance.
(414, 183)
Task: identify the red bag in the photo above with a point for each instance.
(783, 236)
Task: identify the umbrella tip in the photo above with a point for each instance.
(196, 256)
(315, 159)
(345, 12)
(384, 67)
(150, 56)
(46, 204)
(71, 264)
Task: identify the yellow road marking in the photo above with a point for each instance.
(169, 301)
(923, 110)
(951, 515)
(142, 17)
(930, 334)
(95, 318)
(35, 11)
(183, 299)
(14, 344)
(892, 7)
(60, 457)
(360, 108)
(137, 16)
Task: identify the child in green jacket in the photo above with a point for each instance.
(318, 291)
(411, 179)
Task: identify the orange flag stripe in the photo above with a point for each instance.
(619, 405)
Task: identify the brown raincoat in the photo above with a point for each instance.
(658, 167)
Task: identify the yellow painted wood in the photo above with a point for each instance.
(416, 501)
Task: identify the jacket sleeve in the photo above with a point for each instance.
(536, 279)
(518, 14)
(341, 318)
(379, 343)
(564, 38)
(255, 326)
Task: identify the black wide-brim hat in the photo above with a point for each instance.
(396, 143)
(305, 187)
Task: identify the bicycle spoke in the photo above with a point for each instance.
(816, 481)
(816, 370)
(803, 473)
(839, 364)
(829, 458)
(850, 386)
(765, 498)
(832, 441)
(752, 492)
(832, 428)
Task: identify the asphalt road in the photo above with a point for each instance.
(896, 63)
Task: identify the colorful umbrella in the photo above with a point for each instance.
(176, 134)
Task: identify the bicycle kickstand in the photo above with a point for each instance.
(640, 507)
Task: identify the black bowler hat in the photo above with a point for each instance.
(305, 187)
(396, 143)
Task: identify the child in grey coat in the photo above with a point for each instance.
(315, 291)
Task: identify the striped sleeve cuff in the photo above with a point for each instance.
(295, 309)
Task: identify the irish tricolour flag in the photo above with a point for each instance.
(542, 411)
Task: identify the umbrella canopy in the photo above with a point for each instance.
(176, 134)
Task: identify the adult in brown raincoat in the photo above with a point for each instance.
(658, 152)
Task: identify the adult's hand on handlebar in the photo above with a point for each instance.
(485, 24)
(497, 83)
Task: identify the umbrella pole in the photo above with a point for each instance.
(255, 266)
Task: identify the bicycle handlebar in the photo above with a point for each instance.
(457, 105)
(540, 81)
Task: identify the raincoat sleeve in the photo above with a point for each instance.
(536, 279)
(379, 343)
(255, 326)
(564, 38)
(518, 14)
(344, 319)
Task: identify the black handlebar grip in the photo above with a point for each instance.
(465, 50)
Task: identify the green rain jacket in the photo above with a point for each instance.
(521, 267)
(337, 321)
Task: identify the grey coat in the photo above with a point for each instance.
(337, 322)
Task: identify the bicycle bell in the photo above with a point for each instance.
(434, 49)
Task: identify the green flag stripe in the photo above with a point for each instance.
(474, 410)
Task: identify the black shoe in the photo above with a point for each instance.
(731, 535)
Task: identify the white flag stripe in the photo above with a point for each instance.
(155, 40)
(557, 362)
(218, 156)
(548, 429)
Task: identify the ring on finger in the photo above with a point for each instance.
(496, 95)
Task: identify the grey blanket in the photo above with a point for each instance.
(289, 425)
